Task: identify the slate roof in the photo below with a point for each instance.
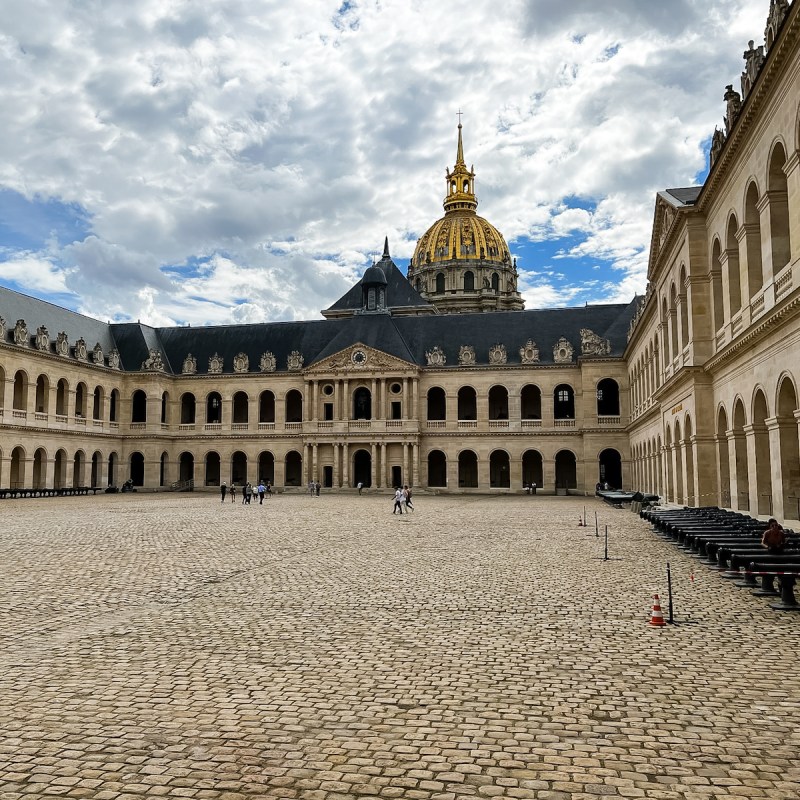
(685, 196)
(406, 337)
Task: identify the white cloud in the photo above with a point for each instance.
(282, 142)
(34, 274)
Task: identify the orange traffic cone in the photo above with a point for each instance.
(657, 618)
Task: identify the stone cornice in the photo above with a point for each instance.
(788, 310)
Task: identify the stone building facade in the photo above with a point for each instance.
(690, 391)
(714, 350)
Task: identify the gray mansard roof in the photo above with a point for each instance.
(406, 337)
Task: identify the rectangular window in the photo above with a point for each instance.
(396, 409)
(328, 411)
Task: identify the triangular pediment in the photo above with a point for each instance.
(358, 359)
(663, 219)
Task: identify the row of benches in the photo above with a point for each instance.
(72, 491)
(731, 543)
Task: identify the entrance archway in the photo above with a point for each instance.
(437, 469)
(362, 468)
(467, 470)
(610, 468)
(239, 468)
(266, 467)
(294, 469)
(532, 468)
(186, 467)
(213, 471)
(499, 472)
(566, 471)
(137, 469)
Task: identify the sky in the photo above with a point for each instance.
(235, 161)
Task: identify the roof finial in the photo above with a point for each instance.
(460, 150)
(386, 247)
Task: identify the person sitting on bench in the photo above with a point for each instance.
(774, 538)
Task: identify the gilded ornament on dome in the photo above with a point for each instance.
(466, 355)
(80, 350)
(442, 248)
(113, 359)
(529, 353)
(594, 345)
(21, 334)
(467, 238)
(562, 351)
(62, 344)
(267, 363)
(189, 365)
(497, 354)
(435, 357)
(97, 354)
(241, 363)
(42, 338)
(295, 360)
(154, 362)
(215, 364)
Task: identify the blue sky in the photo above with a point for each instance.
(238, 161)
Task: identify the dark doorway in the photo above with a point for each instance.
(362, 403)
(186, 467)
(266, 467)
(139, 409)
(327, 477)
(137, 468)
(437, 407)
(362, 467)
(212, 469)
(239, 468)
(610, 464)
(397, 476)
(566, 470)
(563, 402)
(607, 398)
(294, 469)
(467, 470)
(499, 473)
(467, 403)
(532, 468)
(437, 469)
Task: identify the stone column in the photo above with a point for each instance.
(374, 400)
(764, 207)
(780, 508)
(345, 405)
(750, 438)
(406, 402)
(385, 464)
(415, 399)
(314, 401)
(336, 483)
(314, 462)
(346, 463)
(414, 464)
(372, 464)
(380, 399)
(405, 462)
(549, 475)
(792, 170)
(735, 440)
(452, 472)
(380, 472)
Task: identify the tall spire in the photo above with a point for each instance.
(460, 194)
(386, 248)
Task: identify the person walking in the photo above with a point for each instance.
(407, 496)
(261, 492)
(269, 489)
(360, 486)
(317, 487)
(233, 493)
(223, 490)
(398, 501)
(247, 494)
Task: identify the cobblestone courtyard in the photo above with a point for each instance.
(165, 646)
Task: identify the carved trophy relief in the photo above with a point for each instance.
(2, 330)
(529, 353)
(562, 351)
(42, 339)
(267, 362)
(154, 362)
(594, 345)
(241, 363)
(435, 357)
(215, 364)
(81, 352)
(189, 365)
(21, 338)
(62, 344)
(294, 361)
(497, 354)
(466, 355)
(97, 354)
(113, 359)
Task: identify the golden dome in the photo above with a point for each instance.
(461, 235)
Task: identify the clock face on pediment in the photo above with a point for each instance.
(358, 359)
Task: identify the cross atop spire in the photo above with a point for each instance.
(461, 181)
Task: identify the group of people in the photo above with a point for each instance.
(314, 487)
(248, 491)
(402, 500)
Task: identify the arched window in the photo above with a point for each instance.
(467, 403)
(362, 403)
(214, 408)
(498, 403)
(294, 406)
(752, 226)
(778, 209)
(240, 408)
(716, 285)
(469, 281)
(440, 283)
(266, 407)
(437, 404)
(563, 402)
(43, 394)
(732, 254)
(165, 408)
(20, 391)
(531, 402)
(684, 304)
(97, 403)
(113, 409)
(188, 409)
(139, 409)
(607, 398)
(495, 282)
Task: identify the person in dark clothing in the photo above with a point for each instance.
(223, 490)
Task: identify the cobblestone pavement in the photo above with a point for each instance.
(166, 646)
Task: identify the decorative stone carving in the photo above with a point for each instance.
(268, 362)
(717, 143)
(594, 345)
(80, 350)
(241, 363)
(42, 338)
(466, 355)
(667, 218)
(215, 364)
(753, 59)
(154, 361)
(497, 354)
(62, 344)
(97, 354)
(189, 365)
(435, 357)
(562, 351)
(21, 337)
(2, 330)
(295, 360)
(733, 106)
(778, 9)
(529, 353)
(113, 359)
